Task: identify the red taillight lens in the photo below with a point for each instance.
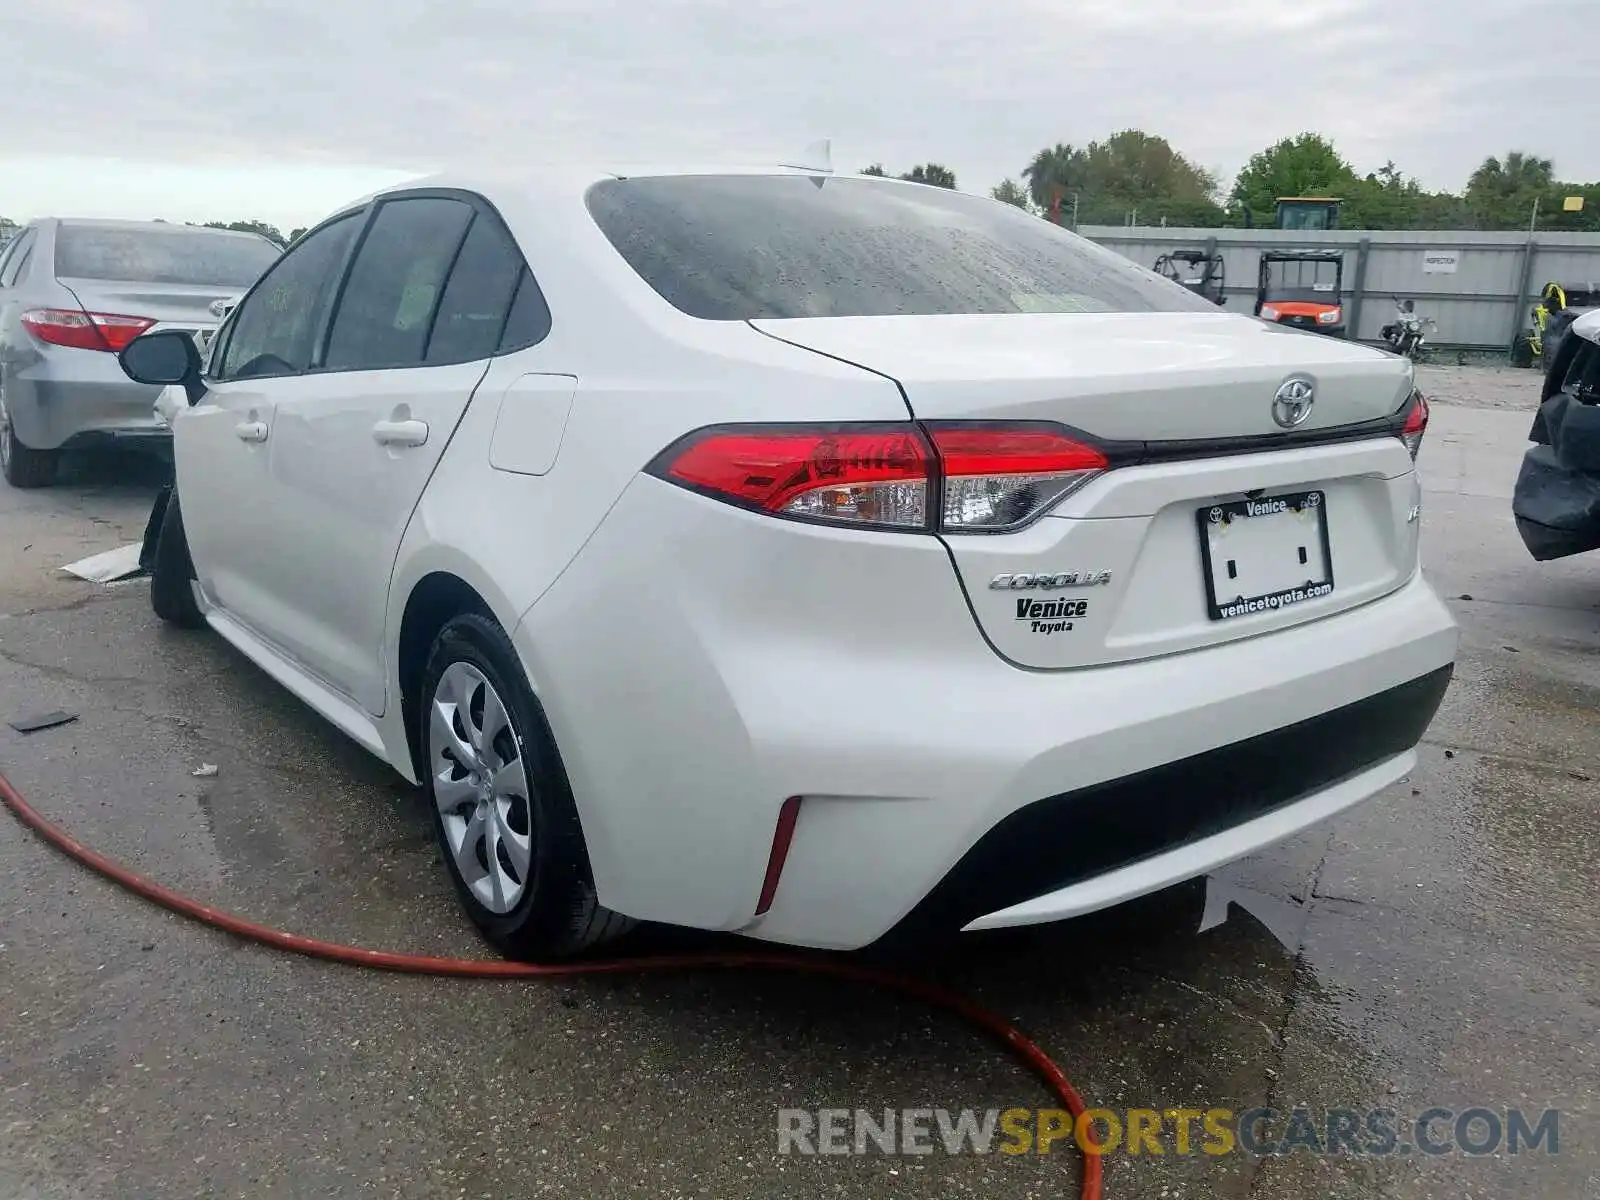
(861, 475)
(998, 478)
(1416, 424)
(84, 330)
(970, 479)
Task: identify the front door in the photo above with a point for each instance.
(222, 444)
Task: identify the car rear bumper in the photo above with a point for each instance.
(72, 398)
(700, 665)
(1080, 851)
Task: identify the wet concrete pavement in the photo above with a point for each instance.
(1444, 945)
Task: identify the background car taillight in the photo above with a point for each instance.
(1416, 424)
(953, 478)
(84, 330)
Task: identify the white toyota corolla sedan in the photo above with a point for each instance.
(820, 558)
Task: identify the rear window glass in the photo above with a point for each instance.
(160, 256)
(736, 247)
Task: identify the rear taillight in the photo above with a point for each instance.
(947, 477)
(997, 478)
(84, 330)
(1416, 424)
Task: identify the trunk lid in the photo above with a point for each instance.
(171, 305)
(1191, 545)
(1120, 376)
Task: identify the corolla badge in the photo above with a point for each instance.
(1292, 404)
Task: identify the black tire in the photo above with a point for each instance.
(23, 466)
(558, 914)
(172, 574)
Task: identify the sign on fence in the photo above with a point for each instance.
(1441, 262)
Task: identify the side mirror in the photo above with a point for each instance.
(166, 357)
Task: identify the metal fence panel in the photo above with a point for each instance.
(1479, 287)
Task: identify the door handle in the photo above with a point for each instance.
(251, 431)
(400, 433)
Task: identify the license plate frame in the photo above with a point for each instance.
(1265, 508)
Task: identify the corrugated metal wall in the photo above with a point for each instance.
(1482, 303)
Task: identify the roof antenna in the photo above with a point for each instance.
(817, 158)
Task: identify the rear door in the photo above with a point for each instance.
(420, 316)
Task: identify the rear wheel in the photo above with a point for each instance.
(502, 809)
(23, 466)
(172, 573)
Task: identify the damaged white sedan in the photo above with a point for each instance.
(819, 558)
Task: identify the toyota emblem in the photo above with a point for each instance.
(1292, 405)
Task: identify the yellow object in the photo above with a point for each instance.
(1572, 204)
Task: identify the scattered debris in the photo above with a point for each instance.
(47, 720)
(1513, 649)
(110, 565)
(1579, 776)
(1449, 753)
(205, 770)
(1463, 596)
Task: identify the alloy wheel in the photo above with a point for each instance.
(481, 788)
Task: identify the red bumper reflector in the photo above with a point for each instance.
(781, 837)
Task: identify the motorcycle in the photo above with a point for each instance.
(1408, 333)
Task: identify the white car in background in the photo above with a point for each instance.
(819, 558)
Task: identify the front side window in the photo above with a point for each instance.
(742, 247)
(274, 331)
(395, 284)
(201, 257)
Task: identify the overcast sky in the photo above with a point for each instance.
(282, 109)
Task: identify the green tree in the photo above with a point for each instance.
(1130, 173)
(1133, 166)
(1054, 172)
(933, 174)
(1501, 193)
(875, 169)
(297, 235)
(1305, 165)
(1009, 191)
(261, 227)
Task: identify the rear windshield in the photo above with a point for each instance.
(159, 256)
(740, 247)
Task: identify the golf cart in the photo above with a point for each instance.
(1560, 304)
(1203, 274)
(1302, 288)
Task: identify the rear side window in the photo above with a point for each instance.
(274, 330)
(529, 320)
(16, 258)
(740, 247)
(482, 285)
(203, 257)
(396, 284)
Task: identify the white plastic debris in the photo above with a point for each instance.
(109, 565)
(205, 771)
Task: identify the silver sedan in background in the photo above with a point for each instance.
(72, 294)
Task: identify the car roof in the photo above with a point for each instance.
(573, 179)
(165, 226)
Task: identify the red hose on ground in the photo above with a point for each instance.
(468, 968)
